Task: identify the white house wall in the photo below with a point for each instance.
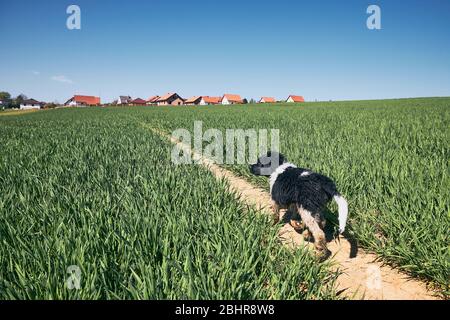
(29, 106)
(71, 103)
(225, 100)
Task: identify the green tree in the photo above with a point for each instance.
(18, 100)
(5, 98)
(4, 95)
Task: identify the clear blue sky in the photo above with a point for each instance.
(319, 49)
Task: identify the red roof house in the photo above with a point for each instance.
(78, 100)
(292, 98)
(231, 99)
(207, 100)
(267, 100)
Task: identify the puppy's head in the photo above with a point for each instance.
(267, 164)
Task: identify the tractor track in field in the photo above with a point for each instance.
(363, 275)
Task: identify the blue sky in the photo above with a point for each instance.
(319, 49)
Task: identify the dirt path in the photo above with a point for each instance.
(363, 277)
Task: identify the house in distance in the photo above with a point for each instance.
(231, 99)
(83, 101)
(267, 100)
(137, 102)
(152, 100)
(207, 100)
(124, 100)
(170, 99)
(293, 98)
(30, 104)
(203, 100)
(193, 101)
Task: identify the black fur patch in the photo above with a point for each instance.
(312, 191)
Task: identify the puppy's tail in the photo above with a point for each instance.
(343, 211)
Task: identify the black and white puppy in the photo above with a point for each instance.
(301, 189)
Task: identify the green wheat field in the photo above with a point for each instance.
(95, 188)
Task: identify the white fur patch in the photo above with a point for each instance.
(278, 171)
(306, 173)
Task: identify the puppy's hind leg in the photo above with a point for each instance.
(320, 242)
